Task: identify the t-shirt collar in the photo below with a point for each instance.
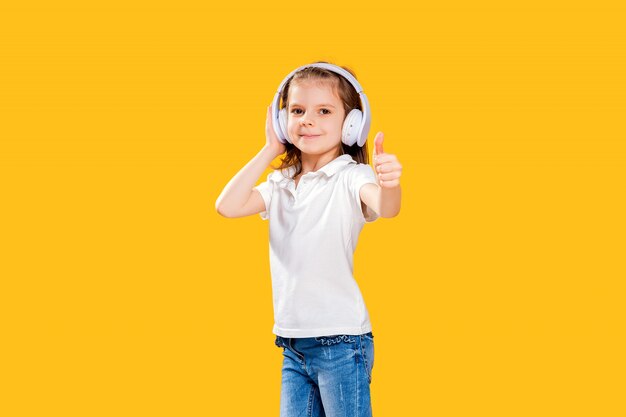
(329, 169)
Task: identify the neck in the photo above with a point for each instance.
(314, 162)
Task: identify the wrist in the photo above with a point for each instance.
(267, 151)
(270, 152)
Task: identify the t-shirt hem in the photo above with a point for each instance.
(327, 331)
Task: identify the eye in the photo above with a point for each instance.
(294, 110)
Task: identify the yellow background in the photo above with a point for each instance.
(497, 292)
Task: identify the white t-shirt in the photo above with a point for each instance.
(314, 229)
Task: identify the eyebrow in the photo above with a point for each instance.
(319, 105)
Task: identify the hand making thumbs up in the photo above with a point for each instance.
(386, 165)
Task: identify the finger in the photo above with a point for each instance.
(388, 176)
(378, 143)
(384, 158)
(382, 167)
(389, 165)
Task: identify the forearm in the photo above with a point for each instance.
(390, 201)
(238, 189)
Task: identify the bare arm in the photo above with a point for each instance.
(385, 197)
(384, 201)
(238, 197)
(239, 189)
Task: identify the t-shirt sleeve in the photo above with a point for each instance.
(363, 174)
(265, 189)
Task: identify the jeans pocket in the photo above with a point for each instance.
(367, 352)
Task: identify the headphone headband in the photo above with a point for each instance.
(365, 121)
(330, 67)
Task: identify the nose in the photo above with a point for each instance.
(305, 121)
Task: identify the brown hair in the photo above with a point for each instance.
(348, 95)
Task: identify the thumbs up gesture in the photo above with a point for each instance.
(386, 165)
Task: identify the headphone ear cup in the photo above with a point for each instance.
(351, 126)
(282, 124)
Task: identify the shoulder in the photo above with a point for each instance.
(360, 171)
(357, 176)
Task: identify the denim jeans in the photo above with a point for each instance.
(326, 376)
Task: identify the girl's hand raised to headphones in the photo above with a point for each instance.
(271, 140)
(386, 165)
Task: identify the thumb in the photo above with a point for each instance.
(378, 143)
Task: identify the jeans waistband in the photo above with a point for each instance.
(281, 341)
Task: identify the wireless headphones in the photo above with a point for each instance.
(356, 124)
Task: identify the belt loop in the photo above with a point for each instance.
(278, 341)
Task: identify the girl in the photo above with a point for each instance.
(317, 202)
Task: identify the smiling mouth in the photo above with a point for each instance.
(309, 136)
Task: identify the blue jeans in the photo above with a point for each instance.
(326, 376)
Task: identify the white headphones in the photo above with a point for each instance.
(356, 124)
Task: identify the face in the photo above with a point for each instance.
(315, 117)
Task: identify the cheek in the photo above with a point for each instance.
(337, 125)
